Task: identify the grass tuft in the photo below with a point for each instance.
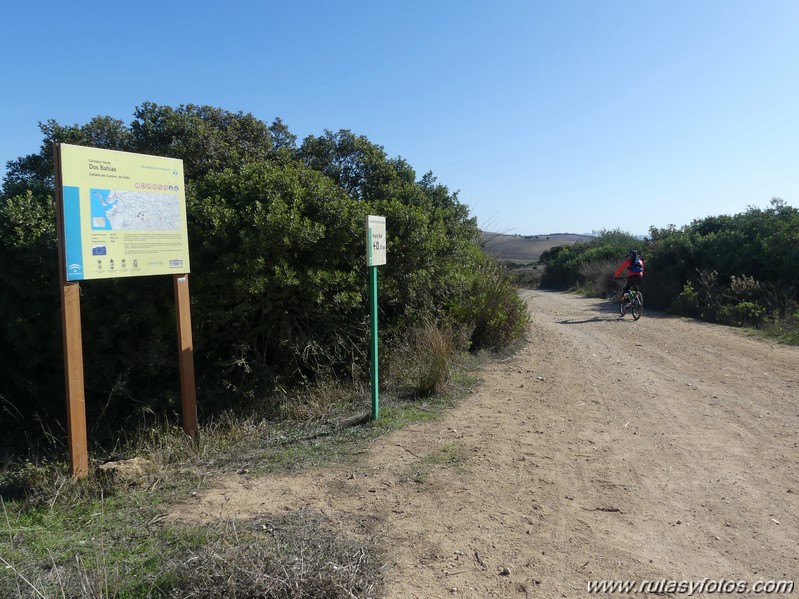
(424, 366)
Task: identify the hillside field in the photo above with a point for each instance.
(526, 248)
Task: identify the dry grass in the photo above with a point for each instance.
(65, 538)
(424, 365)
(596, 279)
(298, 555)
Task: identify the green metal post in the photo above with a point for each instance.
(373, 312)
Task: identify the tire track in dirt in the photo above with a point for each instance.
(604, 449)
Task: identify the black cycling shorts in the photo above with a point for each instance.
(633, 281)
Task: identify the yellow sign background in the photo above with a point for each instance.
(124, 214)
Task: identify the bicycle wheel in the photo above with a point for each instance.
(637, 305)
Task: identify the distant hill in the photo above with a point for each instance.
(525, 248)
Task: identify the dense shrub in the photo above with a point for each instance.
(278, 283)
(569, 265)
(740, 269)
(287, 296)
(493, 307)
(741, 301)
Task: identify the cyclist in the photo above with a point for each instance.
(635, 272)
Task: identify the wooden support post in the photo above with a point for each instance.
(73, 343)
(73, 366)
(188, 392)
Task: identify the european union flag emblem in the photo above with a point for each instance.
(98, 250)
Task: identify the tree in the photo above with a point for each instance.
(353, 162)
(276, 236)
(282, 138)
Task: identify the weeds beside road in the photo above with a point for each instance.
(97, 538)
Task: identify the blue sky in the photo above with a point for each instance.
(547, 116)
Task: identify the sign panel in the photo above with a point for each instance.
(375, 240)
(124, 214)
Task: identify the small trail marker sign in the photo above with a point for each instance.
(375, 256)
(376, 240)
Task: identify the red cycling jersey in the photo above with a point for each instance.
(627, 264)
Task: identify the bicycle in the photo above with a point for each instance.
(634, 300)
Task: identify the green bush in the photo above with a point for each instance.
(287, 295)
(744, 301)
(576, 264)
(741, 269)
(498, 316)
(278, 283)
(742, 313)
(688, 302)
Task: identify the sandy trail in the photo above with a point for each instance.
(605, 449)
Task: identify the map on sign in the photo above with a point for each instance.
(134, 211)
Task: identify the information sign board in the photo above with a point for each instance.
(124, 214)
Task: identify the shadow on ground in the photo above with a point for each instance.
(608, 311)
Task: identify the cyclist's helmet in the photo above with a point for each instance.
(633, 254)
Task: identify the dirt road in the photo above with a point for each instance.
(605, 449)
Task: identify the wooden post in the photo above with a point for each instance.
(73, 366)
(188, 393)
(73, 343)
